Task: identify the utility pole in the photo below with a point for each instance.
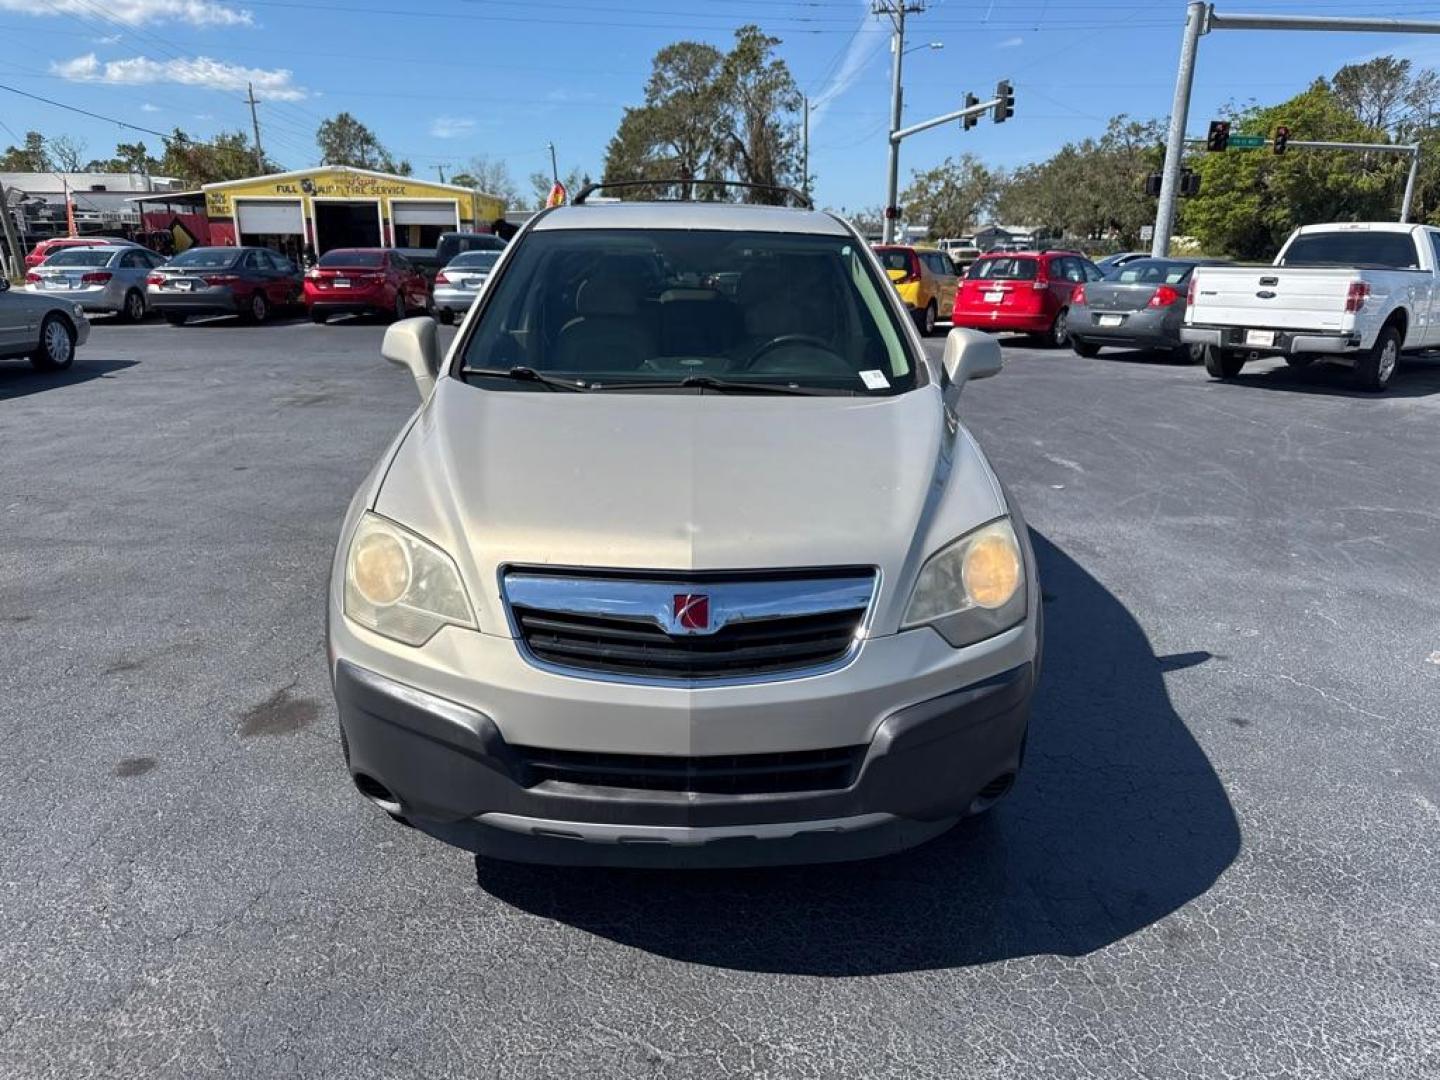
(255, 123)
(805, 146)
(896, 10)
(441, 170)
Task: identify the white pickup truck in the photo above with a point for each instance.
(1356, 293)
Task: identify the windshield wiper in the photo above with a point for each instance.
(711, 382)
(521, 373)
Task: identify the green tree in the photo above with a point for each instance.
(1250, 201)
(713, 116)
(952, 198)
(31, 157)
(227, 156)
(343, 140)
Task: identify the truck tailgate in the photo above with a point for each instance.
(1284, 298)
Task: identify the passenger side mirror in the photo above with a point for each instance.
(969, 354)
(413, 344)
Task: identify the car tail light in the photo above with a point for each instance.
(441, 279)
(221, 279)
(33, 278)
(1190, 293)
(1164, 296)
(1355, 298)
(96, 277)
(155, 279)
(1078, 296)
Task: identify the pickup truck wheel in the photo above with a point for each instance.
(1188, 354)
(1221, 363)
(1374, 368)
(1300, 360)
(56, 351)
(1087, 349)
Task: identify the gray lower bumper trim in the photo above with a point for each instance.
(1193, 335)
(680, 836)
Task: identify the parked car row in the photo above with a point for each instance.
(118, 277)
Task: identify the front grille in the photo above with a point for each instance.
(633, 646)
(731, 774)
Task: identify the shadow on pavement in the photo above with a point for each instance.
(18, 379)
(1415, 377)
(1117, 820)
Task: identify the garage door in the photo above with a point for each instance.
(270, 217)
(424, 213)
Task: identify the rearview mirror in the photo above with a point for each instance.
(969, 354)
(413, 344)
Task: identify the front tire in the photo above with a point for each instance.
(134, 309)
(1374, 369)
(56, 350)
(1087, 349)
(1059, 335)
(1222, 363)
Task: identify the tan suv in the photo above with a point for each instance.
(925, 278)
(684, 558)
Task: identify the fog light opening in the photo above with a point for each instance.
(992, 793)
(377, 793)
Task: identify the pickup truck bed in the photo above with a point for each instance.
(1310, 305)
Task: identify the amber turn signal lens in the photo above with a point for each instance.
(991, 570)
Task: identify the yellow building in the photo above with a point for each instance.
(333, 206)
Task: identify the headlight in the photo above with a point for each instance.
(400, 585)
(973, 589)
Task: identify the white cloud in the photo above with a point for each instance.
(109, 39)
(862, 49)
(199, 71)
(147, 107)
(140, 12)
(1011, 43)
(451, 127)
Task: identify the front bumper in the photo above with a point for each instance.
(449, 770)
(1286, 341)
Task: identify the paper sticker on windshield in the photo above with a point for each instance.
(874, 380)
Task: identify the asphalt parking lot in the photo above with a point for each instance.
(1220, 860)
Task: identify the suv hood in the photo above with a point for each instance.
(683, 481)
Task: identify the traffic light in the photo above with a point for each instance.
(1219, 137)
(1152, 184)
(1189, 183)
(1282, 138)
(967, 122)
(1005, 108)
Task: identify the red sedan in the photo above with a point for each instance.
(1023, 292)
(365, 281)
(43, 249)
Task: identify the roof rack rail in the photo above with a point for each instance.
(801, 201)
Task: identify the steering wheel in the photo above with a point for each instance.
(781, 342)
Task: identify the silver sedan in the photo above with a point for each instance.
(457, 286)
(104, 277)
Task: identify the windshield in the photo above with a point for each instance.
(646, 308)
(1004, 269)
(206, 258)
(1151, 272)
(476, 260)
(81, 257)
(1359, 247)
(352, 258)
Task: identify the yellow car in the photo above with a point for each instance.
(925, 279)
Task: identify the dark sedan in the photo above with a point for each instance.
(1140, 305)
(251, 282)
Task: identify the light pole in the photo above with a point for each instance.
(897, 10)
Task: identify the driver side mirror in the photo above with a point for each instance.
(413, 344)
(969, 354)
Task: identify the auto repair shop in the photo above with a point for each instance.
(334, 206)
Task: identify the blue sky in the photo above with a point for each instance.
(447, 79)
